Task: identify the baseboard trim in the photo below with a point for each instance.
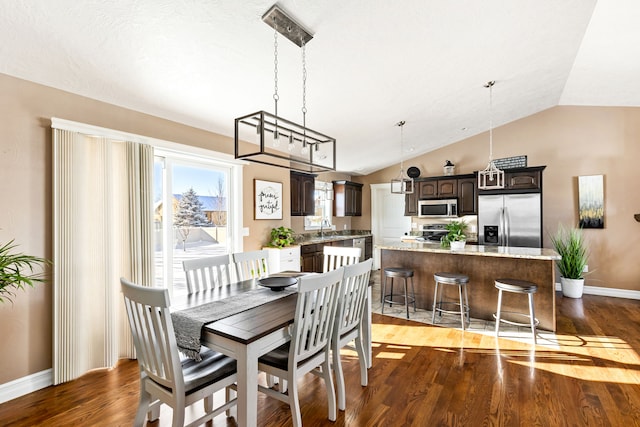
(25, 385)
(607, 292)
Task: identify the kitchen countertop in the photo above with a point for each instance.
(334, 238)
(477, 250)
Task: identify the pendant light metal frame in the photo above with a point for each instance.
(490, 178)
(402, 184)
(257, 136)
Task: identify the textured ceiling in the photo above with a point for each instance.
(370, 64)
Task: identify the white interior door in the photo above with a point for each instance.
(387, 217)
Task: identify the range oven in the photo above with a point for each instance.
(432, 233)
(443, 208)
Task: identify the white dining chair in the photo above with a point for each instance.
(309, 348)
(337, 256)
(207, 273)
(164, 376)
(251, 265)
(348, 325)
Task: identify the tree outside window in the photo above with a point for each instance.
(189, 215)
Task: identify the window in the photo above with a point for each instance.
(192, 214)
(324, 208)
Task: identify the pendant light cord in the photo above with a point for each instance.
(401, 124)
(490, 86)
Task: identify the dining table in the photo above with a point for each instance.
(249, 333)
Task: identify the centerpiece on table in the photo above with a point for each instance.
(455, 237)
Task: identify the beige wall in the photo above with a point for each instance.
(25, 190)
(570, 141)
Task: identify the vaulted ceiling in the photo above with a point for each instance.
(370, 64)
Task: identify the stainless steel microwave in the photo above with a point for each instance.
(444, 208)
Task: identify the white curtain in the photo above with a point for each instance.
(103, 229)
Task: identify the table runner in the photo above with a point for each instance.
(188, 323)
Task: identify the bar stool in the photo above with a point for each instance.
(400, 273)
(517, 287)
(454, 279)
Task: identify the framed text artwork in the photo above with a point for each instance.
(591, 201)
(268, 199)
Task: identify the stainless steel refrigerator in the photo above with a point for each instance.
(510, 220)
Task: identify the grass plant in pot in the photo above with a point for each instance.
(18, 270)
(455, 237)
(281, 237)
(570, 245)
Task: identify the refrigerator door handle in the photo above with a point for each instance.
(507, 231)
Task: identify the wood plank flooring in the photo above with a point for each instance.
(421, 375)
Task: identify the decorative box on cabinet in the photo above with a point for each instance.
(303, 187)
(347, 198)
(285, 259)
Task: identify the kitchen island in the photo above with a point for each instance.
(483, 265)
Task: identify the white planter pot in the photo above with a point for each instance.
(572, 288)
(457, 245)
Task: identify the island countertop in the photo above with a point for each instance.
(483, 265)
(478, 250)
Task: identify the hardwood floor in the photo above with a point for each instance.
(422, 375)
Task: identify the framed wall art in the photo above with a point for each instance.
(591, 201)
(268, 199)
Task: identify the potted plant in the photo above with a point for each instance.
(570, 245)
(18, 270)
(281, 237)
(455, 237)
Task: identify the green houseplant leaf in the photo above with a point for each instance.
(570, 245)
(281, 237)
(18, 270)
(455, 233)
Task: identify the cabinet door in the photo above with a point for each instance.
(357, 201)
(525, 180)
(411, 204)
(296, 190)
(318, 262)
(368, 247)
(447, 187)
(428, 189)
(303, 189)
(467, 197)
(307, 196)
(347, 198)
(308, 262)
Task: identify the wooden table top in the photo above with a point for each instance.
(246, 326)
